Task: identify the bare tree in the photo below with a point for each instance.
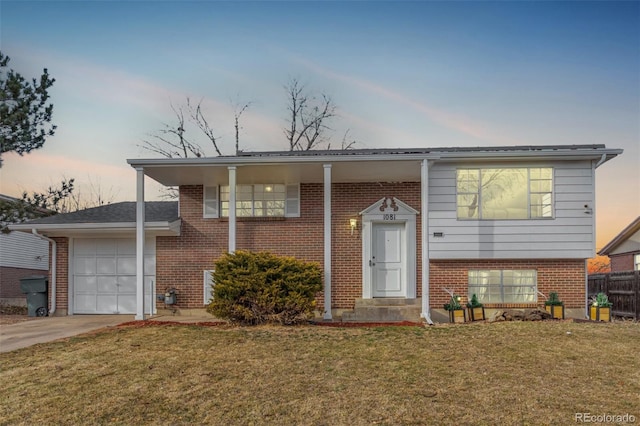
(170, 141)
(238, 109)
(198, 118)
(93, 195)
(347, 142)
(308, 117)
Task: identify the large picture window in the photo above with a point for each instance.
(504, 286)
(259, 200)
(504, 193)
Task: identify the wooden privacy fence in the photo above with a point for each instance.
(623, 290)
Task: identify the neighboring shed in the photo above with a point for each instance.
(624, 249)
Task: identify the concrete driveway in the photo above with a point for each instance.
(41, 330)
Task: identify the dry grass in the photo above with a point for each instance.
(507, 373)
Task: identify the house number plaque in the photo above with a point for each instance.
(389, 216)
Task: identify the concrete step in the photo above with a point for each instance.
(391, 313)
(387, 301)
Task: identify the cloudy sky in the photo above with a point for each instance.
(403, 74)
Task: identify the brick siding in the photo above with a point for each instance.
(180, 261)
(622, 262)
(565, 276)
(62, 275)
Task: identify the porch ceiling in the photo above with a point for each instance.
(357, 171)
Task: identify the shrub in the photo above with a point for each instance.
(257, 288)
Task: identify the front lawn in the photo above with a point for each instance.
(506, 373)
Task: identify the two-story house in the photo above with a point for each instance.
(389, 227)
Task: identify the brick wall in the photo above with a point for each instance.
(565, 276)
(181, 260)
(62, 275)
(621, 262)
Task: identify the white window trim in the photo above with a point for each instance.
(218, 213)
(636, 262)
(502, 271)
(216, 191)
(207, 285)
(528, 168)
(286, 200)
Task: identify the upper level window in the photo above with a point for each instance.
(504, 193)
(260, 200)
(636, 262)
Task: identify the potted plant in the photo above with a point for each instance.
(476, 309)
(457, 313)
(554, 306)
(600, 309)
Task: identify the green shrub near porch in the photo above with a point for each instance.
(257, 288)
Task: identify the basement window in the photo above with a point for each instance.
(504, 286)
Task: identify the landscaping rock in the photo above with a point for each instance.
(536, 315)
(516, 315)
(513, 315)
(497, 316)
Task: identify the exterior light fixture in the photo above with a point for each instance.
(353, 223)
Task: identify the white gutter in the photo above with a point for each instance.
(582, 154)
(602, 160)
(54, 253)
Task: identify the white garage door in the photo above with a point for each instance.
(104, 275)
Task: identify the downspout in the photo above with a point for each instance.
(54, 253)
(594, 166)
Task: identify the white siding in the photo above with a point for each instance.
(568, 235)
(22, 250)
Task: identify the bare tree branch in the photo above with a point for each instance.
(308, 117)
(199, 119)
(238, 109)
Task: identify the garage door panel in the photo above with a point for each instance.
(106, 266)
(106, 246)
(127, 265)
(84, 265)
(85, 303)
(149, 265)
(127, 284)
(84, 246)
(126, 247)
(86, 285)
(127, 303)
(107, 304)
(107, 285)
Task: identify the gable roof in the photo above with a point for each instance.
(627, 232)
(155, 211)
(161, 217)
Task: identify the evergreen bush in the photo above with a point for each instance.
(258, 288)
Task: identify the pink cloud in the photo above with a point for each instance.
(452, 121)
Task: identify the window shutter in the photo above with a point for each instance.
(208, 285)
(292, 204)
(210, 202)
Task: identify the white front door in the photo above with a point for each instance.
(387, 262)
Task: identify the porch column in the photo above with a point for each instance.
(140, 216)
(232, 209)
(327, 241)
(424, 240)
